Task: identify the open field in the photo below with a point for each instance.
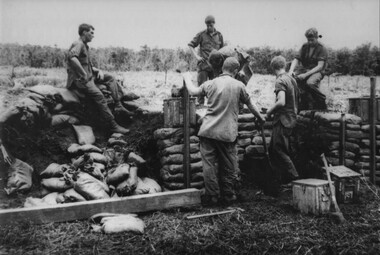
(266, 226)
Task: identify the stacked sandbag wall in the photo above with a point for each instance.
(320, 132)
(170, 143)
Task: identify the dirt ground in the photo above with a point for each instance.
(266, 226)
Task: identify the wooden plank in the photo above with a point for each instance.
(186, 136)
(342, 139)
(84, 210)
(372, 130)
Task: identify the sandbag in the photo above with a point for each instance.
(54, 170)
(366, 158)
(246, 126)
(131, 106)
(257, 140)
(162, 144)
(100, 158)
(89, 158)
(166, 133)
(19, 177)
(33, 202)
(335, 161)
(178, 159)
(60, 199)
(84, 134)
(247, 134)
(51, 198)
(353, 147)
(364, 151)
(77, 149)
(244, 142)
(129, 96)
(178, 148)
(117, 136)
(335, 153)
(114, 156)
(90, 187)
(146, 186)
(56, 184)
(176, 186)
(367, 127)
(246, 117)
(240, 150)
(179, 177)
(174, 169)
(116, 141)
(71, 195)
(366, 142)
(122, 223)
(62, 119)
(133, 158)
(254, 150)
(126, 187)
(365, 165)
(336, 125)
(336, 117)
(118, 174)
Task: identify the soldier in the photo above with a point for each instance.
(313, 57)
(219, 130)
(207, 40)
(81, 76)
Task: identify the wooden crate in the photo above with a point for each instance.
(311, 196)
(173, 112)
(347, 184)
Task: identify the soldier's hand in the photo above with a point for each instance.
(6, 156)
(100, 75)
(200, 59)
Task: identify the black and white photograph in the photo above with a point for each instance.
(190, 127)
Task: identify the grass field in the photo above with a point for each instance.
(266, 226)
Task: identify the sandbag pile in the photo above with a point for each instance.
(129, 101)
(249, 141)
(170, 144)
(321, 131)
(94, 173)
(363, 163)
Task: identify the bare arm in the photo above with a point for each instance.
(254, 110)
(293, 66)
(193, 90)
(280, 102)
(316, 69)
(195, 54)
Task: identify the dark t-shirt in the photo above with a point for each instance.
(287, 114)
(80, 50)
(309, 56)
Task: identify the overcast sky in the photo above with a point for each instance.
(173, 23)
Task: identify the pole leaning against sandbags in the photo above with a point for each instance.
(186, 135)
(372, 133)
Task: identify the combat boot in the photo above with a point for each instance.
(116, 128)
(120, 110)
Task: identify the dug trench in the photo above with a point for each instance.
(41, 147)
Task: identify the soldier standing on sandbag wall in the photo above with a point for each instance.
(81, 77)
(313, 57)
(285, 119)
(207, 40)
(219, 130)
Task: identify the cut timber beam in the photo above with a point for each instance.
(84, 210)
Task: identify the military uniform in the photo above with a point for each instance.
(206, 42)
(218, 134)
(309, 56)
(285, 119)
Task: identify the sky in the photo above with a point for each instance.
(173, 23)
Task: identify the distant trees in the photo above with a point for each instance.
(363, 60)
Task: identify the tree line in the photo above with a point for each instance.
(363, 60)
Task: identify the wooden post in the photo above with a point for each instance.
(342, 139)
(186, 136)
(372, 131)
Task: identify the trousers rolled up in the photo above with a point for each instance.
(279, 152)
(93, 92)
(220, 167)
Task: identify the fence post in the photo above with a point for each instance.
(186, 136)
(372, 131)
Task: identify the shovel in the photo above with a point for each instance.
(336, 213)
(271, 184)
